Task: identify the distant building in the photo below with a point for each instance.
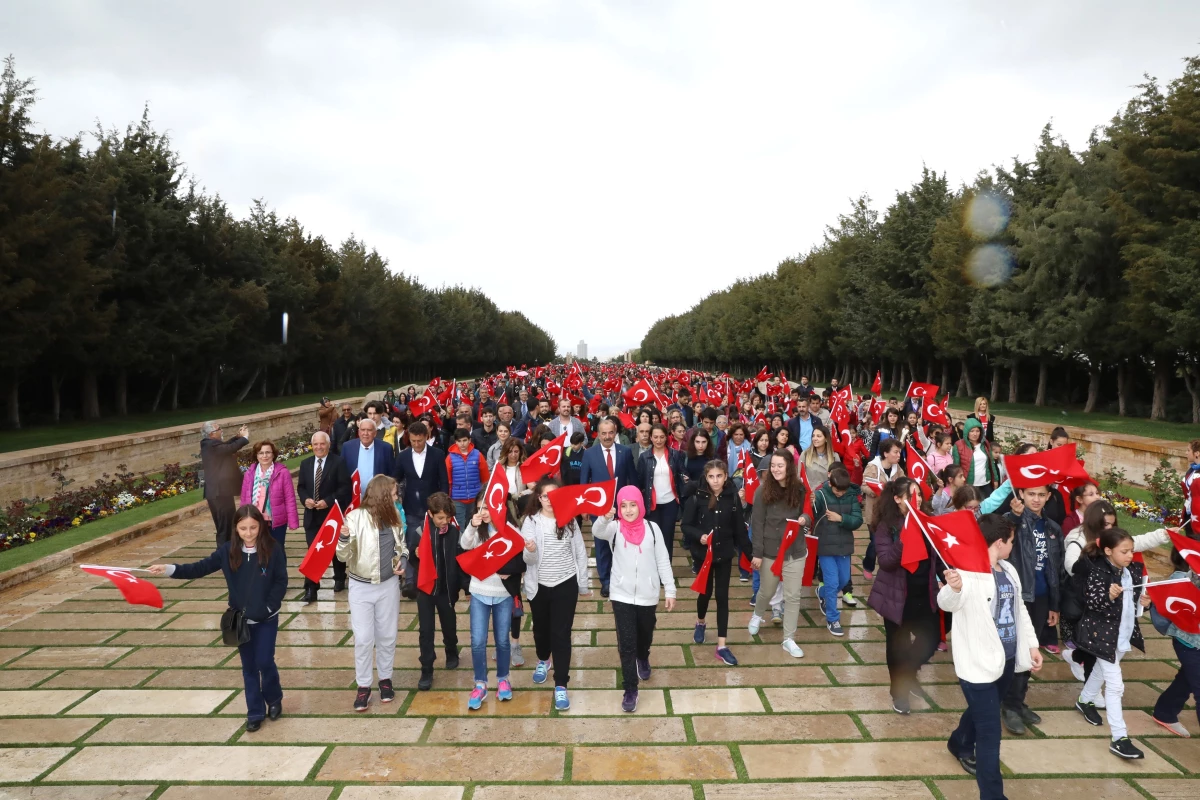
(581, 351)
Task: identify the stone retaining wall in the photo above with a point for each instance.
(26, 473)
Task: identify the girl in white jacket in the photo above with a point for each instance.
(993, 639)
(640, 567)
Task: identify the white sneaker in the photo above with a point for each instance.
(755, 623)
(1076, 667)
(792, 649)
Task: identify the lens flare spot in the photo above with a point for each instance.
(987, 215)
(989, 265)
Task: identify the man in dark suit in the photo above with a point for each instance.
(421, 471)
(605, 460)
(222, 478)
(369, 456)
(324, 479)
(340, 426)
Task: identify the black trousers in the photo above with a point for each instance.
(1039, 612)
(718, 583)
(911, 643)
(635, 634)
(339, 566)
(553, 610)
(222, 510)
(426, 603)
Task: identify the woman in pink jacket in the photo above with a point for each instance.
(268, 487)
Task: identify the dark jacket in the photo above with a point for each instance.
(218, 459)
(415, 490)
(890, 591)
(1024, 555)
(725, 520)
(258, 592)
(483, 439)
(645, 474)
(445, 558)
(836, 538)
(340, 427)
(335, 486)
(793, 426)
(1100, 627)
(572, 464)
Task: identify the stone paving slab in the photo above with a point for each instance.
(697, 762)
(1038, 788)
(613, 730)
(246, 793)
(188, 763)
(820, 790)
(852, 759)
(625, 792)
(51, 730)
(171, 730)
(111, 702)
(434, 763)
(785, 727)
(76, 792)
(353, 730)
(404, 793)
(37, 702)
(1168, 788)
(1050, 756)
(23, 764)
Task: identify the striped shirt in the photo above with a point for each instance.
(556, 563)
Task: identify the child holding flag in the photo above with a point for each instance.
(777, 519)
(1187, 651)
(490, 600)
(838, 516)
(994, 638)
(438, 583)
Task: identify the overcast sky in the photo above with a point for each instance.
(596, 165)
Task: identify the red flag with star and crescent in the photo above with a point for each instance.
(546, 461)
(918, 470)
(483, 561)
(957, 539)
(569, 502)
(1044, 467)
(355, 492)
(1189, 549)
(877, 385)
(700, 584)
(1179, 602)
(320, 552)
(925, 391)
(136, 591)
(934, 412)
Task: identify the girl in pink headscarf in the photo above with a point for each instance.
(640, 567)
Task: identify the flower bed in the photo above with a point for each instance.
(24, 522)
(1142, 510)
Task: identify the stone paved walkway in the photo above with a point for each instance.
(102, 700)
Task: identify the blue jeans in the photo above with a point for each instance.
(978, 731)
(279, 534)
(500, 614)
(835, 571)
(259, 672)
(463, 509)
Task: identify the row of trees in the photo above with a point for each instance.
(1079, 271)
(118, 271)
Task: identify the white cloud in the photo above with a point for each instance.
(596, 165)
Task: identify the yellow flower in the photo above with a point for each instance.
(32, 536)
(75, 523)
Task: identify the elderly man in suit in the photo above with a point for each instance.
(605, 460)
(222, 477)
(323, 481)
(369, 456)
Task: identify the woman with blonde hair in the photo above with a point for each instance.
(983, 414)
(819, 458)
(372, 545)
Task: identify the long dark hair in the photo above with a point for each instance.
(534, 504)
(720, 466)
(886, 510)
(1108, 538)
(690, 444)
(771, 491)
(1093, 520)
(263, 546)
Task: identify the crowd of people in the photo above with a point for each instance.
(754, 474)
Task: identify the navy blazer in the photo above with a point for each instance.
(594, 470)
(335, 486)
(416, 489)
(384, 464)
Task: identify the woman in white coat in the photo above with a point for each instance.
(641, 567)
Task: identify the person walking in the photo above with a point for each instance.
(641, 567)
(255, 571)
(490, 602)
(218, 460)
(660, 475)
(443, 533)
(268, 487)
(838, 516)
(556, 576)
(323, 481)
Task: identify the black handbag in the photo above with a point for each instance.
(234, 628)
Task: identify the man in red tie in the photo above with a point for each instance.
(606, 460)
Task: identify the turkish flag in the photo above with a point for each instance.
(497, 550)
(808, 494)
(713, 394)
(423, 404)
(356, 491)
(931, 411)
(496, 498)
(569, 502)
(1044, 467)
(789, 536)
(925, 391)
(626, 419)
(750, 482)
(919, 470)
(136, 591)
(912, 544)
(957, 539)
(641, 393)
(810, 563)
(1178, 601)
(877, 409)
(700, 584)
(546, 461)
(1189, 549)
(839, 414)
(762, 375)
(426, 566)
(685, 379)
(320, 552)
(877, 386)
(875, 486)
(594, 404)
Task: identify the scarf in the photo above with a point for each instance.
(262, 482)
(632, 532)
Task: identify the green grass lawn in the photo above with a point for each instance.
(45, 436)
(1109, 423)
(26, 553)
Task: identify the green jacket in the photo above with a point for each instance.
(836, 538)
